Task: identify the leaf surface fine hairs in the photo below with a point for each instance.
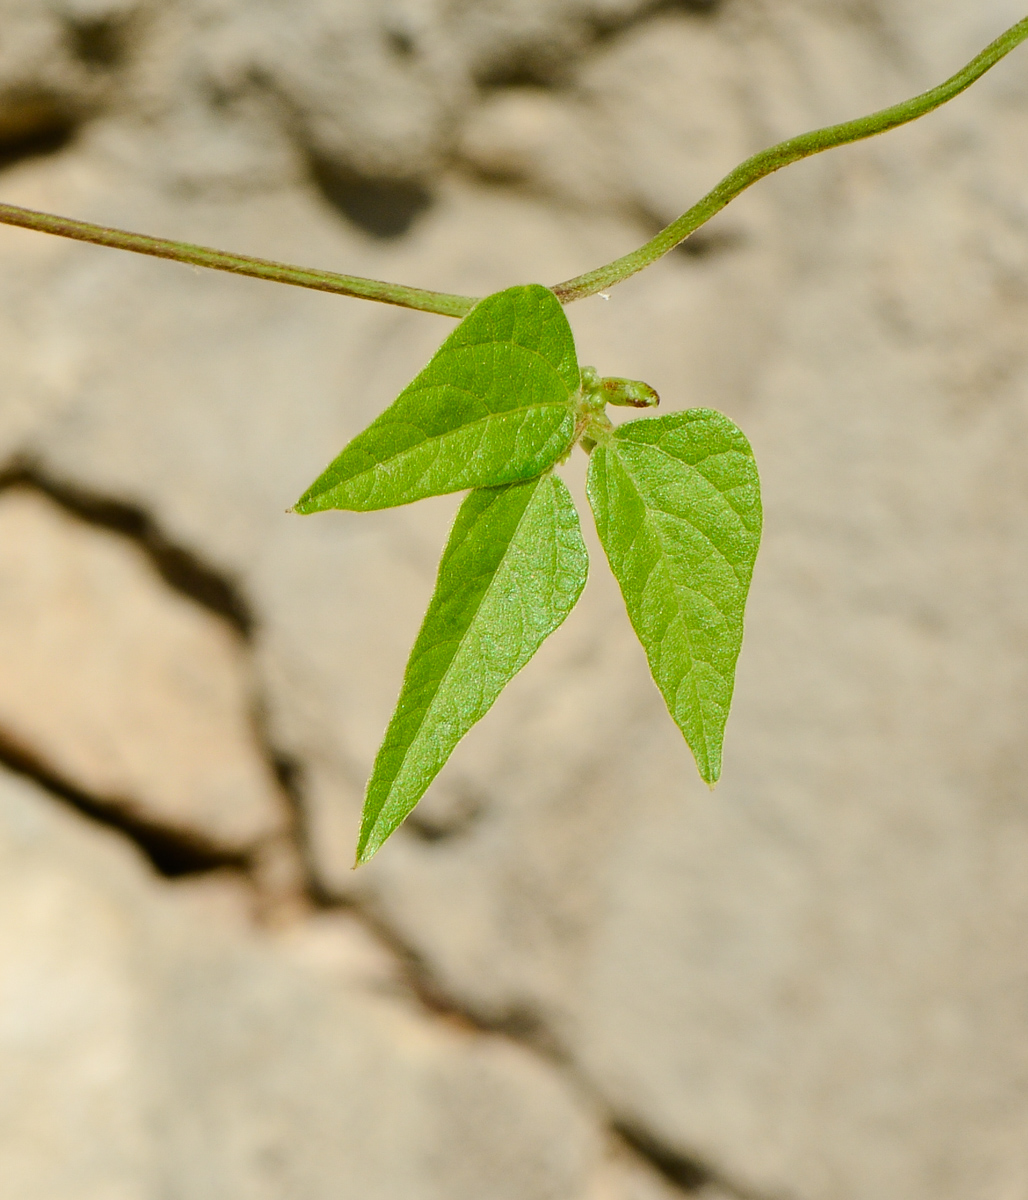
(677, 507)
(496, 404)
(512, 570)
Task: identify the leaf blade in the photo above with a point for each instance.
(677, 506)
(513, 568)
(494, 405)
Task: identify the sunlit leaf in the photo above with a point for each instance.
(677, 506)
(496, 404)
(511, 572)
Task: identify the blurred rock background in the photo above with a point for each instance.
(574, 973)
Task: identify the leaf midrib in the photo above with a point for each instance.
(711, 454)
(460, 643)
(457, 429)
(648, 523)
(733, 567)
(497, 342)
(649, 508)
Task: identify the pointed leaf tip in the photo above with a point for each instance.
(677, 506)
(495, 405)
(513, 568)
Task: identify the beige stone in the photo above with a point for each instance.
(152, 1044)
(811, 979)
(123, 688)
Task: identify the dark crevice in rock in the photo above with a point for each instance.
(384, 208)
(519, 1025)
(528, 69)
(553, 63)
(689, 6)
(604, 31)
(431, 829)
(99, 42)
(686, 1172)
(51, 132)
(179, 567)
(402, 43)
(173, 853)
(288, 771)
(516, 1023)
(431, 825)
(611, 27)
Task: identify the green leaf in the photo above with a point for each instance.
(677, 506)
(496, 404)
(511, 572)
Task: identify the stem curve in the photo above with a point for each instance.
(766, 162)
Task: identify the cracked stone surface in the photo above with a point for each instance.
(153, 1044)
(134, 694)
(812, 981)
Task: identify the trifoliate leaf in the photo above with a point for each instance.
(496, 404)
(677, 506)
(511, 572)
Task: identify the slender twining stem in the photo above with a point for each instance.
(240, 264)
(773, 159)
(744, 176)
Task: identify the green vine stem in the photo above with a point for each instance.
(240, 264)
(449, 305)
(782, 155)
